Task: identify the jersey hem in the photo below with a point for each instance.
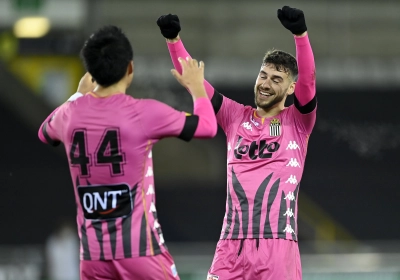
(162, 250)
(241, 238)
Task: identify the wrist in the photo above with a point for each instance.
(197, 90)
(174, 40)
(196, 86)
(301, 35)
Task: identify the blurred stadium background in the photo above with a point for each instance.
(349, 225)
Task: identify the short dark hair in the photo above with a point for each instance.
(106, 55)
(282, 61)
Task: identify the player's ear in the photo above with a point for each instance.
(291, 88)
(130, 68)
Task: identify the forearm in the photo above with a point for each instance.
(305, 86)
(177, 49)
(207, 126)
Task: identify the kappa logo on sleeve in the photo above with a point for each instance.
(212, 277)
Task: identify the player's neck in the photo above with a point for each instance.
(270, 112)
(111, 90)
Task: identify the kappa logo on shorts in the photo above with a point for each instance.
(173, 270)
(212, 277)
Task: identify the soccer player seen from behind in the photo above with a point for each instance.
(108, 138)
(267, 147)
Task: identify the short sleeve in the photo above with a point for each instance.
(51, 129)
(228, 112)
(305, 116)
(160, 120)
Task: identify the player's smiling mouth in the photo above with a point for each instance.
(264, 94)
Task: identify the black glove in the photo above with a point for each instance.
(169, 26)
(292, 19)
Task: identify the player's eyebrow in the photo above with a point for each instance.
(272, 76)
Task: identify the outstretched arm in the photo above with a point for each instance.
(293, 19)
(166, 121)
(226, 110)
(192, 77)
(170, 28)
(305, 86)
(305, 100)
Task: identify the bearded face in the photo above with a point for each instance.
(272, 87)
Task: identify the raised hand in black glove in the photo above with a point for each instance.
(292, 19)
(169, 26)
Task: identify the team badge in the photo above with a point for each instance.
(212, 277)
(275, 127)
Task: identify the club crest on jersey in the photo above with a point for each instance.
(275, 127)
(212, 277)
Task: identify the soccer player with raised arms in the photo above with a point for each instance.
(267, 147)
(108, 138)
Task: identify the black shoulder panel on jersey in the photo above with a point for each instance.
(189, 128)
(308, 108)
(48, 138)
(216, 101)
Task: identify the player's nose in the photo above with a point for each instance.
(265, 84)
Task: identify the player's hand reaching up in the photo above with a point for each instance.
(293, 20)
(86, 84)
(192, 76)
(169, 26)
(192, 72)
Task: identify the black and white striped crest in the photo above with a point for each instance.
(275, 127)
